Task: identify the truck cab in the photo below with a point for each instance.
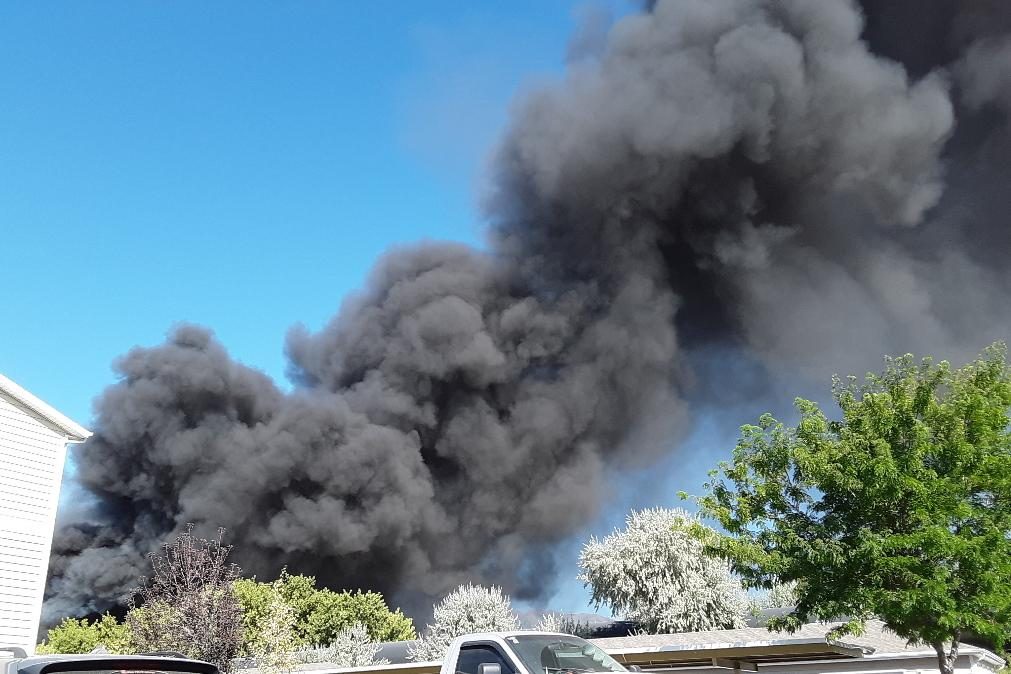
(524, 652)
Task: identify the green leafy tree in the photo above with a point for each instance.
(899, 509)
(302, 595)
(82, 636)
(320, 615)
(336, 612)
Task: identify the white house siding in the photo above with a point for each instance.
(32, 453)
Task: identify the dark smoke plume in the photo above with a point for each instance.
(782, 182)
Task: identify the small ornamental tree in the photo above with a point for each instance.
(299, 592)
(256, 601)
(351, 647)
(655, 572)
(469, 608)
(188, 603)
(264, 613)
(272, 641)
(564, 624)
(899, 509)
(779, 596)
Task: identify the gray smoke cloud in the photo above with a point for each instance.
(801, 185)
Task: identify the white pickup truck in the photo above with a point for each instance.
(527, 653)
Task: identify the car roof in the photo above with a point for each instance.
(45, 664)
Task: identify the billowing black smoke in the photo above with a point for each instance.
(773, 180)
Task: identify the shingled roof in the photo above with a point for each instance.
(876, 638)
(757, 645)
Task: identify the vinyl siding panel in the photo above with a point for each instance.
(32, 453)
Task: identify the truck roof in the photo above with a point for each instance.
(511, 633)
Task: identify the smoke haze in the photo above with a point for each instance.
(804, 185)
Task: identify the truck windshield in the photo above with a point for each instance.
(557, 654)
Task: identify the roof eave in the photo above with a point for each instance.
(73, 431)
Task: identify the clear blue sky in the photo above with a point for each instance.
(234, 164)
(240, 165)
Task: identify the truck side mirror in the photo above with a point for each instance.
(489, 668)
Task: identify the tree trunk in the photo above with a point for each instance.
(946, 658)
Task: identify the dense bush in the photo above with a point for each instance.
(82, 636)
(320, 615)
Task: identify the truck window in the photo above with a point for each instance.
(561, 654)
(471, 657)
